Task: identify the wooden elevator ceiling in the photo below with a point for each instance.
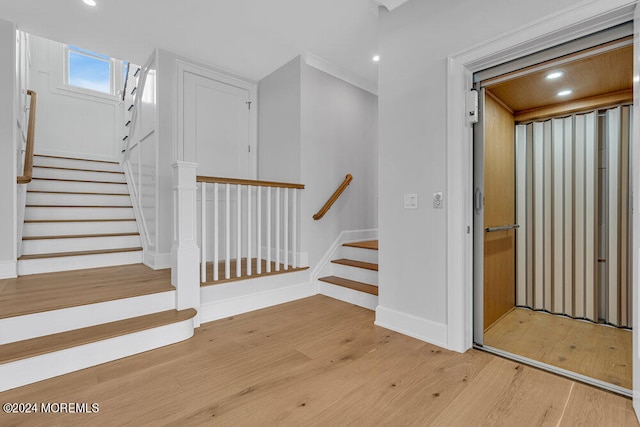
(599, 74)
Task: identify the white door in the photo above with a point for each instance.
(217, 127)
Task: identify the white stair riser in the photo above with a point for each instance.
(357, 254)
(70, 228)
(35, 325)
(88, 187)
(46, 246)
(363, 275)
(80, 262)
(27, 371)
(77, 199)
(79, 175)
(76, 164)
(351, 296)
(37, 213)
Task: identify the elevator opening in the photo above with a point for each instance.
(552, 252)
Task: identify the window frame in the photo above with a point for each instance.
(113, 84)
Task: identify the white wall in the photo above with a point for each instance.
(338, 136)
(279, 124)
(314, 130)
(71, 123)
(415, 40)
(8, 108)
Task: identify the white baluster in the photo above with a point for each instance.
(248, 230)
(259, 231)
(239, 232)
(216, 235)
(278, 229)
(285, 236)
(268, 229)
(294, 228)
(227, 234)
(203, 230)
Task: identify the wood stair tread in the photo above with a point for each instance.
(358, 264)
(77, 206)
(75, 158)
(79, 180)
(369, 244)
(79, 236)
(351, 284)
(78, 253)
(84, 193)
(34, 221)
(60, 341)
(77, 169)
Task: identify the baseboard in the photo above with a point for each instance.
(254, 301)
(413, 326)
(8, 269)
(156, 261)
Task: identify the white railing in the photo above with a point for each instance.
(254, 232)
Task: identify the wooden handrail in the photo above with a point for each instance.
(215, 180)
(334, 197)
(31, 129)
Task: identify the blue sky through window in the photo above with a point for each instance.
(89, 72)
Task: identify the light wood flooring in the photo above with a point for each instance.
(317, 361)
(597, 351)
(50, 291)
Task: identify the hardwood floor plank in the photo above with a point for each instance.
(597, 351)
(369, 244)
(315, 361)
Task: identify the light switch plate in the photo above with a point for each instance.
(411, 201)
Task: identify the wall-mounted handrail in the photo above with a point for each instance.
(27, 173)
(334, 197)
(216, 180)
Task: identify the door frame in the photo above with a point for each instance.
(576, 21)
(579, 20)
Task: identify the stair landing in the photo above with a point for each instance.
(51, 291)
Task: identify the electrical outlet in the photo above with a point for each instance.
(438, 200)
(411, 201)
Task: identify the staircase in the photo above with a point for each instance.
(353, 274)
(78, 215)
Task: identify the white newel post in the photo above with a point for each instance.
(185, 255)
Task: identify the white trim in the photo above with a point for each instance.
(182, 67)
(156, 261)
(254, 301)
(413, 326)
(339, 73)
(575, 21)
(8, 269)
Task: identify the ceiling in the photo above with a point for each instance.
(598, 74)
(251, 38)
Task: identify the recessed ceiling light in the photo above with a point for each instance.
(554, 75)
(565, 92)
(376, 58)
(89, 2)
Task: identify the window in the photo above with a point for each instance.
(89, 70)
